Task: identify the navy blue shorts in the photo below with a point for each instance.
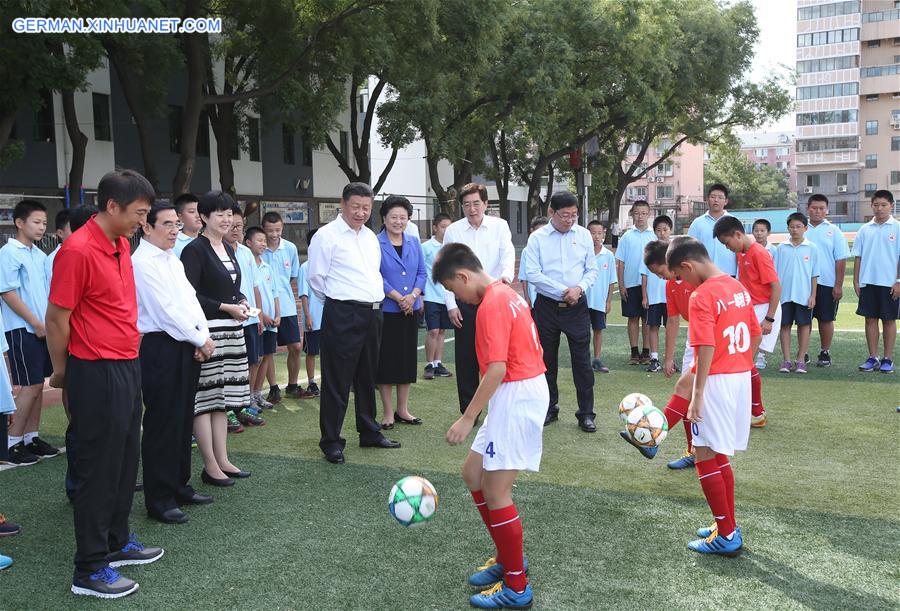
(657, 315)
(436, 316)
(826, 307)
(598, 319)
(874, 302)
(269, 343)
(795, 313)
(288, 331)
(254, 343)
(29, 359)
(634, 306)
(311, 343)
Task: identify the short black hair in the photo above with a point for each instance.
(727, 226)
(394, 201)
(62, 219)
(452, 258)
(155, 209)
(272, 218)
(26, 208)
(360, 189)
(663, 220)
(655, 253)
(765, 223)
(641, 202)
(685, 248)
(252, 231)
(81, 215)
(817, 197)
(439, 218)
(563, 199)
(883, 194)
(235, 209)
(596, 223)
(215, 201)
(183, 200)
(797, 216)
(717, 186)
(538, 221)
(124, 187)
(309, 236)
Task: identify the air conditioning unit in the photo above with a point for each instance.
(842, 189)
(895, 123)
(807, 189)
(660, 179)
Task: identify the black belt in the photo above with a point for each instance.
(369, 305)
(562, 304)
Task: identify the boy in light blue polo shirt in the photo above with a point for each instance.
(653, 294)
(761, 230)
(797, 265)
(875, 279)
(312, 319)
(527, 288)
(269, 316)
(629, 260)
(63, 231)
(25, 290)
(702, 229)
(437, 319)
(599, 294)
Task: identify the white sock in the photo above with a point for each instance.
(437, 363)
(29, 437)
(731, 536)
(13, 440)
(654, 355)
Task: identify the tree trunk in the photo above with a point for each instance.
(387, 170)
(7, 120)
(194, 48)
(502, 172)
(443, 198)
(78, 139)
(550, 171)
(222, 118)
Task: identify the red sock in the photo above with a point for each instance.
(688, 434)
(482, 507)
(728, 478)
(756, 406)
(675, 412)
(714, 489)
(507, 530)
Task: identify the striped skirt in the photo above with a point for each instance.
(224, 378)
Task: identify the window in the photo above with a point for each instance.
(345, 145)
(816, 39)
(871, 128)
(872, 97)
(873, 44)
(827, 91)
(634, 149)
(828, 116)
(253, 137)
(781, 151)
(839, 208)
(203, 135)
(665, 192)
(307, 149)
(828, 144)
(761, 165)
(828, 10)
(841, 179)
(881, 16)
(43, 119)
(102, 126)
(870, 189)
(175, 129)
(663, 145)
(829, 63)
(635, 193)
(761, 152)
(871, 161)
(235, 143)
(895, 143)
(666, 168)
(895, 177)
(782, 165)
(879, 71)
(287, 144)
(812, 180)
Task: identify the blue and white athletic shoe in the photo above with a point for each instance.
(887, 366)
(716, 544)
(647, 452)
(685, 462)
(706, 531)
(502, 597)
(489, 573)
(871, 364)
(5, 561)
(105, 583)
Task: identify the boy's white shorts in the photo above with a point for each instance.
(511, 437)
(725, 428)
(768, 341)
(687, 360)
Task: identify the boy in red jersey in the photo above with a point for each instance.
(677, 294)
(725, 334)
(514, 388)
(756, 271)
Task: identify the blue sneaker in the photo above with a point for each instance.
(5, 561)
(706, 531)
(105, 583)
(489, 573)
(647, 452)
(887, 366)
(716, 544)
(502, 597)
(870, 365)
(134, 552)
(685, 462)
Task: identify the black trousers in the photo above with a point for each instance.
(575, 322)
(169, 377)
(465, 358)
(351, 339)
(4, 430)
(105, 403)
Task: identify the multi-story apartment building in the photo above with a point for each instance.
(848, 102)
(773, 149)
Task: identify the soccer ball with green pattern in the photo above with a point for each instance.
(647, 426)
(413, 500)
(632, 401)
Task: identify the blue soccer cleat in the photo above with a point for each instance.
(489, 573)
(716, 544)
(5, 561)
(685, 462)
(502, 597)
(706, 531)
(871, 364)
(647, 452)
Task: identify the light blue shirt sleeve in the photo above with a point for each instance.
(535, 270)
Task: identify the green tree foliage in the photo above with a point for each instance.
(748, 187)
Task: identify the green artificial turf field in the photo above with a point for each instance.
(816, 495)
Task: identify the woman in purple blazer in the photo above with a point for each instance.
(403, 271)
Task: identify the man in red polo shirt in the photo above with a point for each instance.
(93, 339)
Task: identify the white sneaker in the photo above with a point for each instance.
(261, 401)
(760, 361)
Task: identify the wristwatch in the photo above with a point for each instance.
(770, 319)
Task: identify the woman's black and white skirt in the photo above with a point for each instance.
(225, 377)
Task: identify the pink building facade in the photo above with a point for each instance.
(773, 149)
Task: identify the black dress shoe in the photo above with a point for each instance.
(400, 418)
(587, 425)
(209, 479)
(239, 474)
(195, 499)
(384, 442)
(552, 416)
(336, 457)
(170, 516)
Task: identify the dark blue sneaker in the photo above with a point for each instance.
(870, 365)
(647, 452)
(685, 462)
(489, 573)
(716, 544)
(502, 597)
(105, 583)
(887, 366)
(134, 552)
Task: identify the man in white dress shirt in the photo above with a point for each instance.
(175, 340)
(344, 272)
(491, 241)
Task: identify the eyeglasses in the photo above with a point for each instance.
(470, 205)
(567, 217)
(170, 224)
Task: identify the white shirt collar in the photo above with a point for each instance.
(153, 250)
(891, 220)
(18, 244)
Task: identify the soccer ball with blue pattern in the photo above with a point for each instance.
(413, 500)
